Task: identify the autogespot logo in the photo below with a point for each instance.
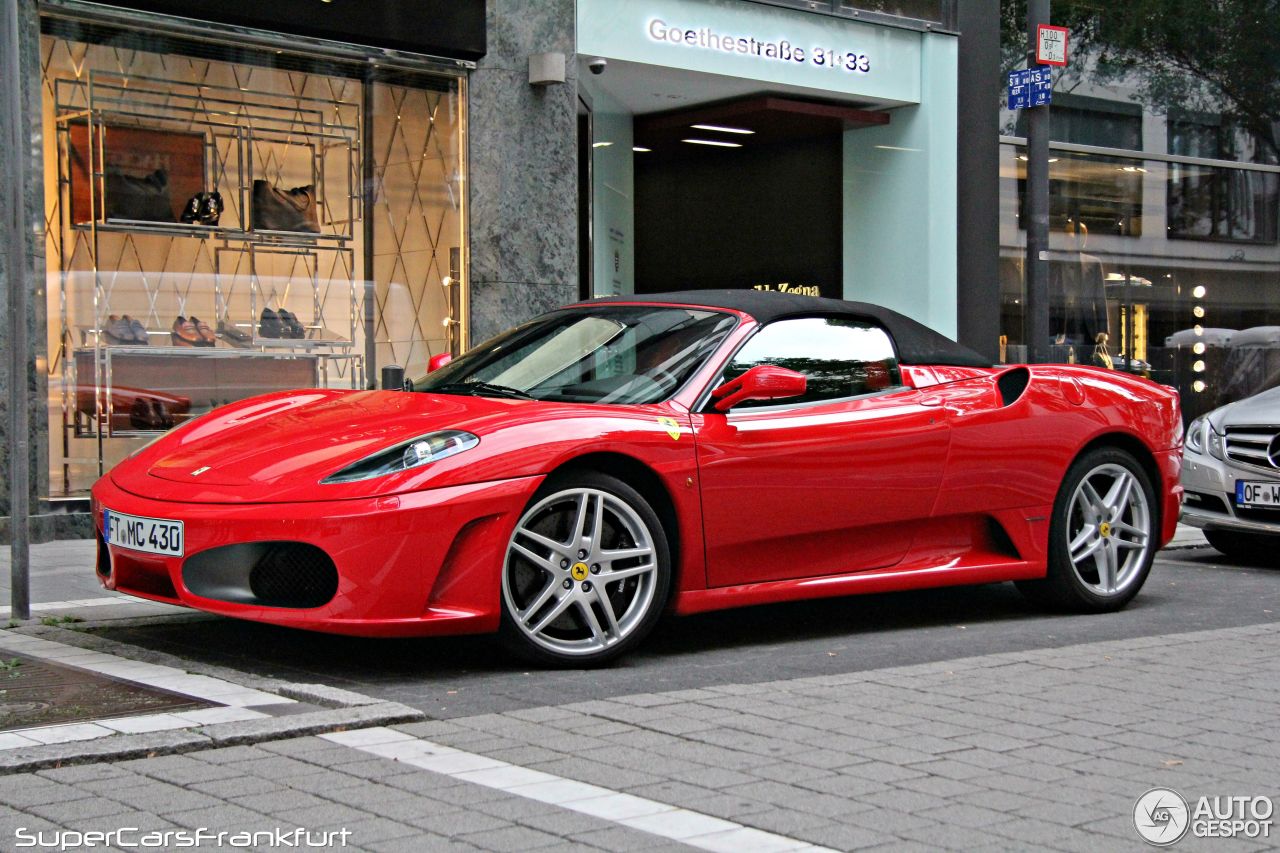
(1161, 816)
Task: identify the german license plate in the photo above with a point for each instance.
(1256, 494)
(137, 533)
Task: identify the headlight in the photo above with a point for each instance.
(410, 454)
(1195, 435)
(1203, 438)
(1213, 439)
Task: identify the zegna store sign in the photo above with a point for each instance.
(755, 41)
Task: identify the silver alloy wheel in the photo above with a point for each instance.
(1108, 529)
(580, 571)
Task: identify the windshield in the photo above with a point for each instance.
(621, 354)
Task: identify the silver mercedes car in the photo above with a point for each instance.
(1231, 474)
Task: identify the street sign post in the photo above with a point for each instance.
(1030, 87)
(1035, 213)
(1051, 45)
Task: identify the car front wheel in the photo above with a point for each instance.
(586, 573)
(1102, 535)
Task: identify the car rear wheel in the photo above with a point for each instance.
(1102, 535)
(586, 573)
(1249, 547)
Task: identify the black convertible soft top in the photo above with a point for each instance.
(916, 342)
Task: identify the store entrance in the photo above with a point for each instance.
(743, 194)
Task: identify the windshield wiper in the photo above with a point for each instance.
(481, 389)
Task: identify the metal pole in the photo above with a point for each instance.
(1036, 208)
(368, 190)
(16, 238)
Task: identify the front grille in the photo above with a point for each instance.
(1251, 445)
(294, 574)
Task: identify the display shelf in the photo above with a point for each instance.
(131, 152)
(205, 232)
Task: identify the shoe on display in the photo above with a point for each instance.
(141, 415)
(139, 330)
(275, 209)
(184, 333)
(203, 208)
(119, 331)
(144, 199)
(269, 325)
(160, 415)
(207, 338)
(233, 336)
(290, 326)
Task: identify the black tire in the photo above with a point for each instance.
(1063, 588)
(1246, 547)
(651, 589)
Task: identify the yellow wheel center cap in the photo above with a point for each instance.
(579, 571)
(1105, 529)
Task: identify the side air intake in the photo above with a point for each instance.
(1011, 384)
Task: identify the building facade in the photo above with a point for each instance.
(237, 198)
(1164, 230)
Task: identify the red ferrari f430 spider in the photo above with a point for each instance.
(569, 481)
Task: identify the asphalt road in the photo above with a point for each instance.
(1189, 590)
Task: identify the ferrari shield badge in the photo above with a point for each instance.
(673, 427)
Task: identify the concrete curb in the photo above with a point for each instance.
(77, 636)
(122, 747)
(345, 709)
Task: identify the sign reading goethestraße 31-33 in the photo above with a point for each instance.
(838, 57)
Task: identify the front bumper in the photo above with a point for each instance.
(417, 564)
(1209, 500)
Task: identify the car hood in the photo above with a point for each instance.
(269, 448)
(1262, 408)
(281, 447)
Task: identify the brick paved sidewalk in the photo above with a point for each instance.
(1039, 749)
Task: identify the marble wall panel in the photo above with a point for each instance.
(523, 170)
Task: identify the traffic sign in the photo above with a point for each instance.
(1030, 87)
(1051, 45)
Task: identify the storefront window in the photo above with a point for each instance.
(222, 219)
(1213, 203)
(1098, 193)
(1193, 313)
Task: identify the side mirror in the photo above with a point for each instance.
(762, 382)
(438, 361)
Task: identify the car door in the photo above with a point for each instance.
(822, 484)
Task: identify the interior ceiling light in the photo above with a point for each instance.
(715, 142)
(640, 149)
(721, 128)
(601, 144)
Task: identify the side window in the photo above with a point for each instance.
(840, 357)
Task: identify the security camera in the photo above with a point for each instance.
(597, 65)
